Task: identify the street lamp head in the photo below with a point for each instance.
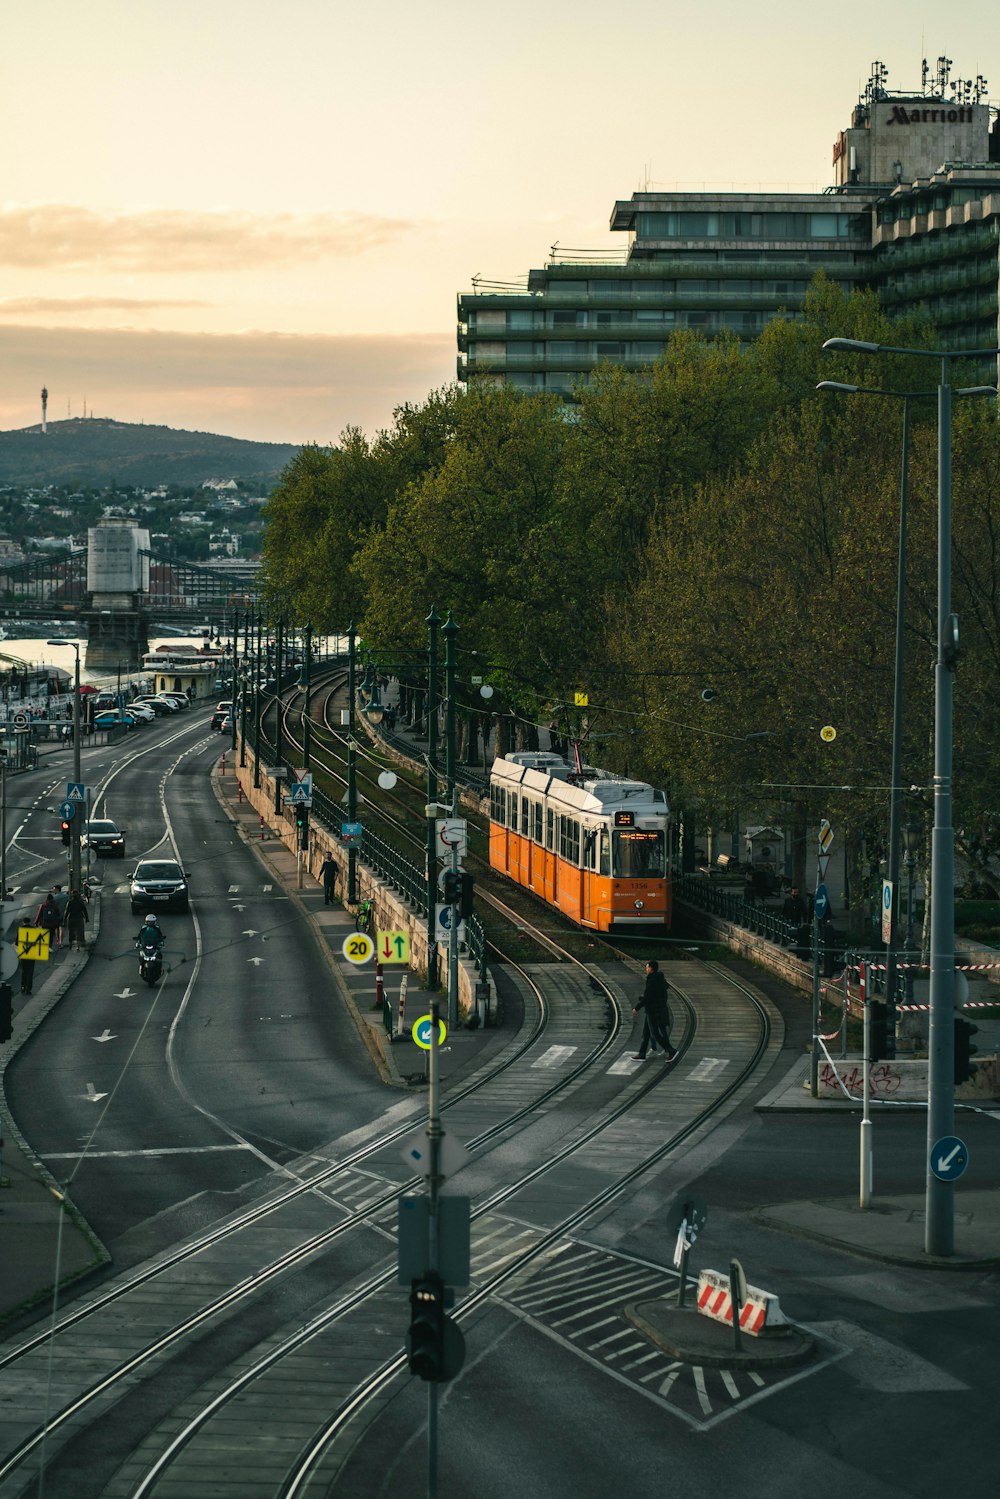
(851, 346)
(63, 641)
(977, 390)
(913, 833)
(850, 390)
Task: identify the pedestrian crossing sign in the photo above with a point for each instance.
(33, 943)
(76, 791)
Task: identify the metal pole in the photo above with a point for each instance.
(279, 642)
(433, 620)
(865, 1194)
(257, 709)
(352, 791)
(939, 1218)
(449, 631)
(75, 822)
(814, 1055)
(895, 788)
(433, 1189)
(235, 642)
(308, 690)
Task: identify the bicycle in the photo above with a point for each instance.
(364, 921)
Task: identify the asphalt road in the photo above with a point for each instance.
(241, 1059)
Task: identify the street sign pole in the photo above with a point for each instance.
(433, 1188)
(825, 839)
(865, 1194)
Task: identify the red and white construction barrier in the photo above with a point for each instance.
(715, 1300)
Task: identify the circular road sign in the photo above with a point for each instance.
(358, 948)
(67, 810)
(821, 902)
(421, 1032)
(949, 1158)
(20, 720)
(828, 733)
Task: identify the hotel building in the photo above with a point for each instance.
(913, 212)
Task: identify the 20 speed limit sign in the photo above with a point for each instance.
(358, 948)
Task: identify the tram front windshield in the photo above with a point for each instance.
(637, 854)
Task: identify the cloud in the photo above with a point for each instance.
(274, 387)
(19, 306)
(58, 235)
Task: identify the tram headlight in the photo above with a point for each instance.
(639, 904)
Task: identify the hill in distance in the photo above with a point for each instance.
(99, 451)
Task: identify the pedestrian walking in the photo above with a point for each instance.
(76, 919)
(61, 896)
(656, 1030)
(27, 974)
(328, 874)
(49, 916)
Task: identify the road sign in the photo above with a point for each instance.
(824, 863)
(276, 772)
(581, 700)
(828, 733)
(452, 1154)
(453, 1216)
(949, 1158)
(358, 948)
(442, 920)
(821, 902)
(825, 836)
(452, 833)
(350, 833)
(300, 794)
(20, 720)
(67, 810)
(392, 947)
(33, 943)
(421, 1032)
(443, 875)
(76, 791)
(887, 911)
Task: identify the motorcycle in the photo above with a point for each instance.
(150, 961)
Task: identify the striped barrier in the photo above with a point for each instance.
(715, 1300)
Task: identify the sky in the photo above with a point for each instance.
(255, 218)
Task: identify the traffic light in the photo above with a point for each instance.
(465, 901)
(6, 1013)
(425, 1339)
(64, 828)
(883, 1037)
(964, 1049)
(302, 824)
(451, 887)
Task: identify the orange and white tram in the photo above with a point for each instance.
(586, 842)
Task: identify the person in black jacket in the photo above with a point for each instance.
(656, 1030)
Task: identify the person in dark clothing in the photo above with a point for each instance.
(27, 974)
(49, 916)
(794, 908)
(328, 874)
(654, 1001)
(76, 919)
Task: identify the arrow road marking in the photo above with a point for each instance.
(267, 887)
(250, 931)
(126, 993)
(238, 907)
(105, 1036)
(256, 961)
(91, 1095)
(944, 1161)
(233, 889)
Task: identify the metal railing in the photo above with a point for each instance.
(763, 921)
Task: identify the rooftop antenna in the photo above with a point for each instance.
(925, 71)
(45, 408)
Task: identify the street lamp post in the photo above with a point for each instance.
(895, 776)
(939, 1217)
(433, 621)
(74, 827)
(352, 789)
(306, 682)
(279, 641)
(912, 834)
(257, 709)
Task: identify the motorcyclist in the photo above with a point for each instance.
(150, 933)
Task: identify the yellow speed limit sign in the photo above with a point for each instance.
(828, 733)
(421, 1032)
(358, 948)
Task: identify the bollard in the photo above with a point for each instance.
(380, 999)
(239, 791)
(402, 1003)
(223, 771)
(262, 830)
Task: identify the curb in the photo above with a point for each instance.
(686, 1335)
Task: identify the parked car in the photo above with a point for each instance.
(179, 699)
(161, 709)
(158, 882)
(143, 711)
(115, 718)
(221, 712)
(104, 837)
(171, 705)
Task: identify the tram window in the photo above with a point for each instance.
(573, 853)
(537, 831)
(638, 854)
(512, 811)
(525, 816)
(550, 836)
(590, 849)
(605, 852)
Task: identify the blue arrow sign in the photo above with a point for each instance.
(821, 902)
(949, 1158)
(67, 810)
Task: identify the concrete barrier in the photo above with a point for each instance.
(760, 1312)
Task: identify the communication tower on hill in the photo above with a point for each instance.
(45, 407)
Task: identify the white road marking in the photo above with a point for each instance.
(91, 1095)
(707, 1069)
(255, 961)
(126, 1155)
(555, 1056)
(699, 1384)
(105, 1036)
(127, 993)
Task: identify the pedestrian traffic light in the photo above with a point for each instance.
(425, 1339)
(880, 1033)
(451, 886)
(302, 824)
(6, 1013)
(964, 1049)
(64, 828)
(465, 900)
